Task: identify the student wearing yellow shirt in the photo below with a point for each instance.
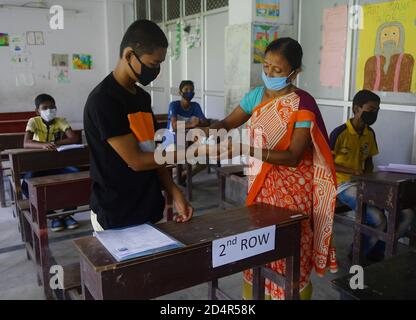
(47, 131)
(354, 145)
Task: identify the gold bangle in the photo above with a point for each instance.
(268, 154)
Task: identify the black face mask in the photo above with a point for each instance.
(147, 75)
(369, 118)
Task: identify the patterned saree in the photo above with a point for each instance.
(310, 188)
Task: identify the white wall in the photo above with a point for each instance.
(96, 30)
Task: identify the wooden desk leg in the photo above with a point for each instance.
(17, 195)
(84, 290)
(221, 178)
(169, 206)
(392, 223)
(2, 191)
(212, 289)
(359, 220)
(178, 174)
(292, 277)
(39, 213)
(189, 182)
(259, 283)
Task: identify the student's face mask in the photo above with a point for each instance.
(276, 83)
(147, 75)
(48, 115)
(369, 118)
(188, 96)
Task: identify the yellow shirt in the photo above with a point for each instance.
(350, 149)
(43, 133)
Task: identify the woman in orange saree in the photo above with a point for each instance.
(295, 168)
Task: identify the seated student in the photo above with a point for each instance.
(184, 110)
(353, 146)
(47, 131)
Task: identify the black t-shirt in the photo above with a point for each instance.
(120, 196)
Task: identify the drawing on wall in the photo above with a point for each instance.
(192, 35)
(82, 61)
(268, 9)
(60, 60)
(389, 64)
(4, 40)
(16, 44)
(35, 38)
(24, 79)
(62, 75)
(262, 36)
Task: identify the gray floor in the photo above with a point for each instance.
(17, 273)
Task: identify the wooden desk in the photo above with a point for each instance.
(23, 160)
(387, 191)
(161, 120)
(393, 279)
(51, 193)
(45, 194)
(148, 277)
(15, 141)
(235, 173)
(10, 126)
(20, 115)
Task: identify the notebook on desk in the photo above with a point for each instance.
(137, 241)
(399, 168)
(69, 147)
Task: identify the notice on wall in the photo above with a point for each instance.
(334, 36)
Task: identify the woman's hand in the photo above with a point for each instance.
(183, 208)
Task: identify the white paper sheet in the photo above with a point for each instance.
(69, 147)
(128, 243)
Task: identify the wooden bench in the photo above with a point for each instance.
(11, 122)
(51, 193)
(388, 191)
(23, 160)
(392, 279)
(20, 115)
(45, 194)
(103, 277)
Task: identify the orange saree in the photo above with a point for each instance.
(310, 188)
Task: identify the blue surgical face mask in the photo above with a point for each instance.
(276, 83)
(188, 96)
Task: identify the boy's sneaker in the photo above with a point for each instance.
(70, 223)
(57, 225)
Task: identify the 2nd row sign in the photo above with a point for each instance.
(242, 246)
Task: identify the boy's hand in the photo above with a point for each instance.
(184, 209)
(358, 172)
(49, 146)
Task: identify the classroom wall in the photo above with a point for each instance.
(396, 124)
(96, 30)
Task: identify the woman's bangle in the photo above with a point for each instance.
(268, 154)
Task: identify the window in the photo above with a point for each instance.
(215, 4)
(173, 9)
(156, 11)
(141, 9)
(192, 7)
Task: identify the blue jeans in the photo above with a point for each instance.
(35, 174)
(376, 218)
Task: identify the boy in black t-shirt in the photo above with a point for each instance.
(119, 127)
